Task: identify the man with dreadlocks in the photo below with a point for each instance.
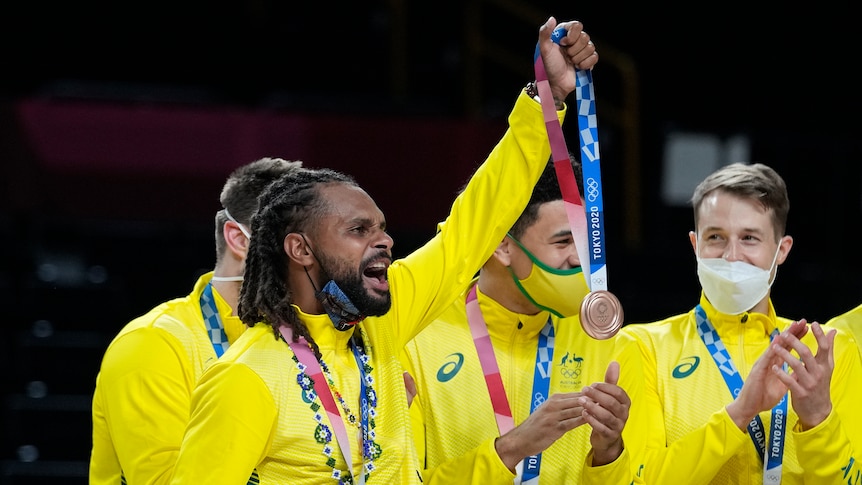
(313, 392)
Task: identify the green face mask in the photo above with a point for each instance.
(559, 291)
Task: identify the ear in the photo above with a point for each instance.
(692, 237)
(235, 239)
(297, 250)
(503, 253)
(784, 245)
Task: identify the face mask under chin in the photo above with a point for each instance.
(227, 278)
(341, 310)
(559, 291)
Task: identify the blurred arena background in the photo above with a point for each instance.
(120, 122)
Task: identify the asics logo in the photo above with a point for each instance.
(448, 370)
(685, 369)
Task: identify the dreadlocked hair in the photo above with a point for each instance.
(291, 204)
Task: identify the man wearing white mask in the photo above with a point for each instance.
(143, 391)
(737, 394)
(511, 351)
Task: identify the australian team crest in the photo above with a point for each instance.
(570, 369)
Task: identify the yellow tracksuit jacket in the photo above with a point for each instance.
(144, 387)
(453, 416)
(692, 438)
(248, 413)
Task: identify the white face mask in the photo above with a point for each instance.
(247, 234)
(734, 287)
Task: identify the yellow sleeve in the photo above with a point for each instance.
(825, 453)
(480, 466)
(231, 428)
(143, 392)
(698, 455)
(831, 452)
(628, 467)
(435, 274)
(619, 471)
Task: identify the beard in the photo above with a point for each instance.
(351, 283)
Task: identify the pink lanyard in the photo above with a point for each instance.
(527, 471)
(502, 411)
(307, 358)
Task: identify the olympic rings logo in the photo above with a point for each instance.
(538, 400)
(592, 189)
(570, 373)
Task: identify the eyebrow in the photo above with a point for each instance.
(745, 230)
(365, 221)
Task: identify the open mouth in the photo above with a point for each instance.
(376, 274)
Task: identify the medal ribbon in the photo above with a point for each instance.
(590, 161)
(306, 357)
(591, 255)
(215, 327)
(528, 469)
(773, 454)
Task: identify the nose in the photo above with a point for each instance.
(732, 252)
(384, 241)
(572, 259)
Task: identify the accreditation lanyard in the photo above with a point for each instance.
(312, 368)
(212, 320)
(770, 445)
(590, 239)
(527, 471)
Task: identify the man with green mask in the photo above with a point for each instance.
(507, 378)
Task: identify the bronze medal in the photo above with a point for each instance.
(601, 314)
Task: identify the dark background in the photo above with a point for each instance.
(120, 121)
